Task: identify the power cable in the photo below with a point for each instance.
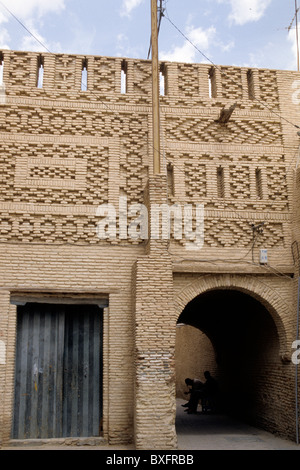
(25, 27)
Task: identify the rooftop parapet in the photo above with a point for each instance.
(129, 80)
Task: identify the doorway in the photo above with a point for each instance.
(245, 344)
(58, 371)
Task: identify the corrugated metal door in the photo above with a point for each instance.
(58, 374)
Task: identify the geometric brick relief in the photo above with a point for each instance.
(231, 83)
(97, 176)
(32, 228)
(62, 79)
(203, 129)
(132, 178)
(104, 75)
(229, 233)
(55, 227)
(133, 165)
(57, 121)
(221, 184)
(65, 173)
(59, 228)
(19, 69)
(188, 79)
(65, 72)
(240, 182)
(195, 180)
(277, 184)
(46, 173)
(141, 75)
(67, 121)
(238, 233)
(268, 88)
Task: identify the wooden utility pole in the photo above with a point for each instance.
(155, 89)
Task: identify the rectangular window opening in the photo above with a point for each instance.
(40, 73)
(124, 77)
(220, 182)
(258, 180)
(162, 80)
(84, 73)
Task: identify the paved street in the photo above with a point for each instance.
(202, 432)
(219, 432)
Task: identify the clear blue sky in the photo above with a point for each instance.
(252, 33)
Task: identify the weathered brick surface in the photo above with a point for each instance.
(65, 151)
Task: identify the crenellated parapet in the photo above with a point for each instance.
(90, 78)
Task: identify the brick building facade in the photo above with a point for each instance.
(66, 151)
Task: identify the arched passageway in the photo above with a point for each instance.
(243, 337)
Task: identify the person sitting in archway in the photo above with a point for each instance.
(209, 393)
(195, 391)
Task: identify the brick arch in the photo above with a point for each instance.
(267, 296)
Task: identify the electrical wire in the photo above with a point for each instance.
(217, 261)
(25, 27)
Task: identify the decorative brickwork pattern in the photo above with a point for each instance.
(268, 88)
(141, 87)
(65, 72)
(195, 177)
(231, 83)
(49, 173)
(204, 129)
(104, 75)
(239, 182)
(238, 233)
(66, 150)
(188, 80)
(19, 69)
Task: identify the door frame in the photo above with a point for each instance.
(21, 298)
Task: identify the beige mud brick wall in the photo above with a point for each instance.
(65, 151)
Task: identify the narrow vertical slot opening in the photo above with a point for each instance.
(1, 68)
(258, 179)
(212, 88)
(162, 80)
(170, 178)
(124, 77)
(2, 86)
(250, 83)
(84, 75)
(220, 182)
(40, 72)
